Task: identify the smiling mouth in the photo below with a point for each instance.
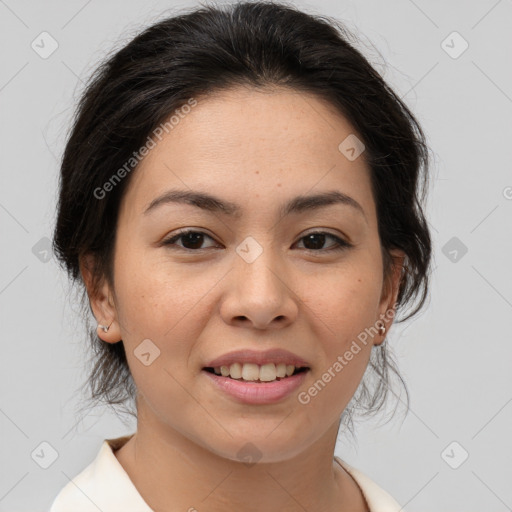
(295, 372)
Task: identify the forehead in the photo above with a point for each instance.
(240, 122)
(253, 143)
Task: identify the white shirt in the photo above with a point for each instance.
(105, 486)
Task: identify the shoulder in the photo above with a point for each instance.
(102, 485)
(377, 498)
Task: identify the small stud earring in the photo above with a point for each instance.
(105, 328)
(382, 330)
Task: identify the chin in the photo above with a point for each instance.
(262, 448)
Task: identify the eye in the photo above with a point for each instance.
(316, 240)
(192, 241)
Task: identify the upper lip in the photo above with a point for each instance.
(275, 356)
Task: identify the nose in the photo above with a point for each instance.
(258, 296)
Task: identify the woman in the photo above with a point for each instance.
(240, 199)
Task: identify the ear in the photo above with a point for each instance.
(101, 300)
(390, 289)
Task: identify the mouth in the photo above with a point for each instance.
(250, 384)
(251, 373)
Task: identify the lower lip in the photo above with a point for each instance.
(258, 393)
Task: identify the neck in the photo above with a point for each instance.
(172, 472)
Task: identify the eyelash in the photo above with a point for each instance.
(341, 244)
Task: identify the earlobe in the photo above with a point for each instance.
(390, 294)
(105, 313)
(109, 333)
(101, 302)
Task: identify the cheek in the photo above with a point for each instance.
(159, 316)
(342, 315)
(152, 297)
(344, 303)
(161, 311)
(171, 310)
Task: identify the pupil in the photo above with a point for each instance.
(311, 237)
(194, 237)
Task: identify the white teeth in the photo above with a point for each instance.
(281, 370)
(252, 372)
(235, 371)
(268, 372)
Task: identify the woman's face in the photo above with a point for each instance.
(253, 279)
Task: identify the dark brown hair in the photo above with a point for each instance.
(212, 48)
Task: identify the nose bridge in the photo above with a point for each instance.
(257, 266)
(257, 292)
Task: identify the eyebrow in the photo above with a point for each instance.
(299, 204)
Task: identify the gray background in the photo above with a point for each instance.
(455, 357)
